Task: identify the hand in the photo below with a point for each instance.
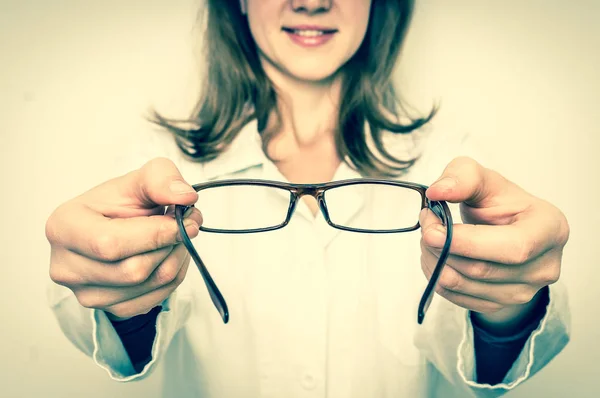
(509, 247)
(115, 246)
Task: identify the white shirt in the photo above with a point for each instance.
(315, 312)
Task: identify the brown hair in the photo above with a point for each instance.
(235, 79)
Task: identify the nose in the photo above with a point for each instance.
(311, 6)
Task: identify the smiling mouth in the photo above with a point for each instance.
(309, 32)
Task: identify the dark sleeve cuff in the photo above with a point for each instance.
(137, 335)
(494, 355)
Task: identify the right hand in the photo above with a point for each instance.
(115, 246)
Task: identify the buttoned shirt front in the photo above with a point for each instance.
(314, 311)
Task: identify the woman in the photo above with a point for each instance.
(300, 91)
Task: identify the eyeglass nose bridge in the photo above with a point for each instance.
(309, 190)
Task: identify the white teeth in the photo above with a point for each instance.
(308, 33)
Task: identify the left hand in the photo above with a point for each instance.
(509, 247)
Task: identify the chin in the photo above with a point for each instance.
(313, 73)
(303, 69)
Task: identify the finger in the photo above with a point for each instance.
(515, 243)
(72, 270)
(483, 270)
(468, 302)
(465, 180)
(160, 183)
(428, 219)
(143, 304)
(115, 239)
(502, 293)
(168, 272)
(542, 271)
(156, 183)
(170, 211)
(132, 271)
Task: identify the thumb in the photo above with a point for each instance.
(158, 183)
(464, 180)
(142, 192)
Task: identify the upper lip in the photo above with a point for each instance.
(324, 29)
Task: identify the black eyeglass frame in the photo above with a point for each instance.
(317, 191)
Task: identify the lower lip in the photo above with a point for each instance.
(310, 41)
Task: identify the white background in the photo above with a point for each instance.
(76, 78)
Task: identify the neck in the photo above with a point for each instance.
(308, 113)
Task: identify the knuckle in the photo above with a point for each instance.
(58, 274)
(491, 307)
(163, 233)
(439, 289)
(57, 225)
(88, 299)
(129, 309)
(449, 280)
(61, 274)
(138, 269)
(180, 277)
(123, 310)
(480, 270)
(524, 251)
(166, 273)
(105, 247)
(564, 231)
(133, 271)
(50, 229)
(199, 218)
(522, 296)
(547, 275)
(552, 276)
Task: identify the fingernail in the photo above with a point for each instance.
(188, 212)
(190, 227)
(179, 187)
(189, 223)
(445, 184)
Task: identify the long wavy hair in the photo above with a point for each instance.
(236, 90)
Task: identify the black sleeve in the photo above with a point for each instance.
(495, 355)
(137, 335)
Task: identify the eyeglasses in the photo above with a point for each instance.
(263, 210)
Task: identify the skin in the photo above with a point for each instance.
(509, 247)
(117, 249)
(511, 243)
(308, 80)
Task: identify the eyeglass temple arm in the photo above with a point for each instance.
(441, 209)
(213, 290)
